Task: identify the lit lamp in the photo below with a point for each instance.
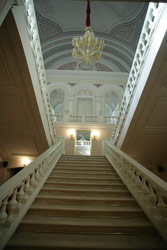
(25, 161)
(71, 133)
(95, 134)
(87, 48)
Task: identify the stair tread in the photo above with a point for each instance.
(109, 168)
(85, 208)
(101, 171)
(69, 191)
(88, 178)
(85, 205)
(85, 184)
(83, 165)
(32, 240)
(78, 197)
(109, 175)
(85, 190)
(100, 184)
(108, 222)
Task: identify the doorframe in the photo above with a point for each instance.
(84, 97)
(82, 130)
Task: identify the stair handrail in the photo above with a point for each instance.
(147, 188)
(19, 192)
(152, 18)
(30, 16)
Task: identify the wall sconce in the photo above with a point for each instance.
(25, 161)
(71, 133)
(95, 134)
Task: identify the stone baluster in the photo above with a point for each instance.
(12, 205)
(27, 187)
(135, 177)
(47, 164)
(151, 195)
(128, 169)
(144, 187)
(37, 175)
(160, 201)
(162, 204)
(43, 168)
(3, 211)
(21, 195)
(33, 182)
(40, 171)
(140, 181)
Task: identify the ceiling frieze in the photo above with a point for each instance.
(120, 39)
(94, 77)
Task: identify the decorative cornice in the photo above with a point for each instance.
(79, 76)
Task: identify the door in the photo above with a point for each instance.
(84, 106)
(83, 143)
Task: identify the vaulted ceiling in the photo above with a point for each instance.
(118, 23)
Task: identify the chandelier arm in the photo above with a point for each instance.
(88, 48)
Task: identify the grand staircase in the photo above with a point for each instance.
(85, 205)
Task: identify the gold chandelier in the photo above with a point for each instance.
(88, 48)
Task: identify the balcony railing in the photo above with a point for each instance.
(85, 119)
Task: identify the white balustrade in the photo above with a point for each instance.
(147, 188)
(153, 16)
(19, 192)
(84, 119)
(36, 48)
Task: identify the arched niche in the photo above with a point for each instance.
(111, 103)
(57, 101)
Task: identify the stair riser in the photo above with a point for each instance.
(85, 193)
(87, 172)
(61, 184)
(74, 168)
(81, 213)
(93, 229)
(84, 205)
(82, 180)
(61, 201)
(85, 175)
(85, 159)
(86, 242)
(83, 165)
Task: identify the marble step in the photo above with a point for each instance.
(84, 200)
(85, 211)
(86, 225)
(86, 191)
(59, 241)
(87, 172)
(95, 176)
(87, 168)
(76, 179)
(82, 157)
(83, 163)
(80, 183)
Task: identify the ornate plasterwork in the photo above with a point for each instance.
(120, 37)
(94, 77)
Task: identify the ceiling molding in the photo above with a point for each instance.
(79, 76)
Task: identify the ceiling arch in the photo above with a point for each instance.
(119, 24)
